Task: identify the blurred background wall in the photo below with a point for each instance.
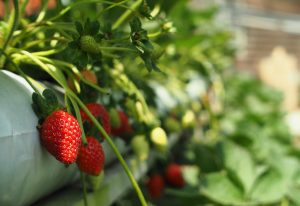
(267, 38)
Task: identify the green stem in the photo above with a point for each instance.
(117, 49)
(50, 69)
(23, 7)
(20, 71)
(14, 26)
(112, 6)
(43, 11)
(48, 52)
(75, 70)
(64, 11)
(66, 100)
(36, 42)
(156, 34)
(114, 148)
(126, 14)
(78, 116)
(82, 178)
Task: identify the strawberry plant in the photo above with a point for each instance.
(153, 75)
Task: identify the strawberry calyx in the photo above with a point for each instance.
(44, 104)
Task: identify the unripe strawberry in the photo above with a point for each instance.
(61, 136)
(174, 175)
(172, 125)
(91, 157)
(159, 138)
(188, 119)
(140, 146)
(155, 186)
(89, 44)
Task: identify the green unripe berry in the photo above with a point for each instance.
(89, 44)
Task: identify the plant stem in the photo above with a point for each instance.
(43, 11)
(117, 49)
(48, 52)
(78, 117)
(20, 71)
(112, 6)
(82, 178)
(156, 34)
(125, 15)
(14, 26)
(63, 12)
(114, 148)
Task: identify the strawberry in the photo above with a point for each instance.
(140, 147)
(174, 175)
(91, 157)
(98, 111)
(124, 127)
(89, 44)
(61, 135)
(159, 139)
(155, 186)
(86, 74)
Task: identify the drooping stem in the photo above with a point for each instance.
(19, 70)
(126, 14)
(114, 148)
(82, 178)
(78, 117)
(14, 25)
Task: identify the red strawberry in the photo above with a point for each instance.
(124, 127)
(61, 136)
(91, 157)
(155, 186)
(174, 175)
(98, 111)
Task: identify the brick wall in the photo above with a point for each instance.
(260, 43)
(290, 6)
(259, 40)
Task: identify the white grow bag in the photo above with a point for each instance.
(27, 171)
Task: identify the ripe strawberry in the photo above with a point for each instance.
(91, 157)
(98, 111)
(89, 44)
(124, 127)
(174, 175)
(155, 186)
(61, 135)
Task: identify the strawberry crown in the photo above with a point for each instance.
(43, 105)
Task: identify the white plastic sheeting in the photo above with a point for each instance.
(28, 172)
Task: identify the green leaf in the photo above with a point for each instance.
(135, 25)
(94, 28)
(294, 195)
(219, 188)
(269, 188)
(50, 98)
(239, 162)
(79, 27)
(191, 174)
